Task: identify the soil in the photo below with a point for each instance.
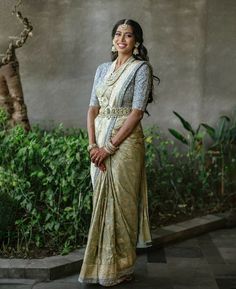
(183, 217)
(33, 253)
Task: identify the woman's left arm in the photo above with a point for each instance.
(127, 128)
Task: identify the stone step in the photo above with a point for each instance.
(51, 268)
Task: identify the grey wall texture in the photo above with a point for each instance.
(191, 44)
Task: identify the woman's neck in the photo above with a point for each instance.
(121, 59)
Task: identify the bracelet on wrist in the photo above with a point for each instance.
(110, 148)
(91, 146)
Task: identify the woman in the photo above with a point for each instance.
(122, 88)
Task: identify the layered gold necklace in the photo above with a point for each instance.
(115, 74)
(104, 90)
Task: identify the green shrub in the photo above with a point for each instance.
(197, 180)
(7, 212)
(45, 180)
(48, 175)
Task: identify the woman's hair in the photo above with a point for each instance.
(143, 53)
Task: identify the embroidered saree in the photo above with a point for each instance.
(119, 220)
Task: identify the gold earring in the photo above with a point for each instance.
(136, 52)
(113, 49)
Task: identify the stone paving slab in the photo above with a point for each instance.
(17, 283)
(226, 283)
(48, 268)
(188, 229)
(15, 286)
(51, 268)
(228, 254)
(224, 270)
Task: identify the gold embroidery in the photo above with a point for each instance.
(109, 112)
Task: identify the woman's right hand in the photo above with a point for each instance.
(93, 151)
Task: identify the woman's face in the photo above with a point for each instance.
(124, 40)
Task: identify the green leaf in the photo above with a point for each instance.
(48, 216)
(232, 133)
(185, 123)
(198, 129)
(221, 131)
(57, 226)
(210, 130)
(40, 174)
(29, 206)
(179, 136)
(225, 117)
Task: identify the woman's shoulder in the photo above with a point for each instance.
(144, 63)
(104, 66)
(101, 70)
(143, 67)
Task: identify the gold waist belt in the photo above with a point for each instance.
(109, 112)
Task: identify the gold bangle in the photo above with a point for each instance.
(91, 146)
(107, 150)
(110, 148)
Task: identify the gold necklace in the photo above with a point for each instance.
(114, 76)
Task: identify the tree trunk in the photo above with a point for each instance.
(11, 95)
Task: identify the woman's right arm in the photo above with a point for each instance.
(93, 109)
(91, 115)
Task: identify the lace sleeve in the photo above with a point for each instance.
(142, 86)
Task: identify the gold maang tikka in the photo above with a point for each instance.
(124, 26)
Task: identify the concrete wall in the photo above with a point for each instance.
(191, 43)
(220, 68)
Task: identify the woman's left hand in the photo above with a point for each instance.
(99, 156)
